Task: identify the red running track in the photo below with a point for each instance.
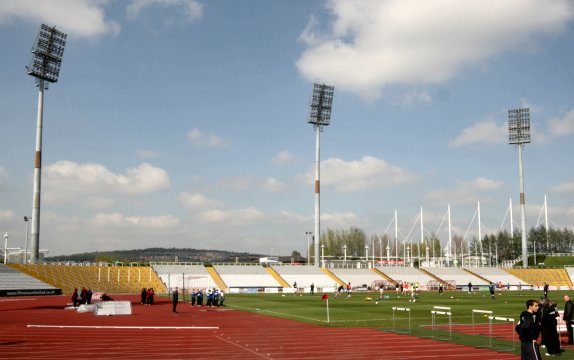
(219, 333)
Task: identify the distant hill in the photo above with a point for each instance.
(159, 254)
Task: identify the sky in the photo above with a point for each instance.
(183, 123)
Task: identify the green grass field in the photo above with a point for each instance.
(378, 314)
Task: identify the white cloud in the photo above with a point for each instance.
(120, 221)
(198, 201)
(360, 175)
(96, 186)
(567, 187)
(241, 217)
(465, 193)
(191, 9)
(273, 185)
(486, 132)
(375, 43)
(283, 158)
(197, 137)
(81, 18)
(562, 126)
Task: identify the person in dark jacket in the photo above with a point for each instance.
(143, 296)
(528, 332)
(568, 317)
(549, 332)
(175, 299)
(75, 298)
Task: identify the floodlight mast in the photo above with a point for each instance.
(319, 116)
(45, 66)
(519, 134)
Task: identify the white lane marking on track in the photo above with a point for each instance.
(125, 327)
(244, 348)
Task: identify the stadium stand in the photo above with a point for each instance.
(458, 276)
(109, 279)
(358, 277)
(556, 278)
(494, 275)
(14, 282)
(245, 276)
(304, 276)
(184, 276)
(406, 274)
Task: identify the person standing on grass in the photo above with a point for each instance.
(549, 332)
(546, 290)
(312, 288)
(491, 290)
(528, 332)
(568, 317)
(175, 299)
(440, 288)
(469, 287)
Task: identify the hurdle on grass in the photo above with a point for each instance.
(437, 311)
(407, 310)
(504, 320)
(486, 313)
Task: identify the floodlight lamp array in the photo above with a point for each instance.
(48, 52)
(321, 105)
(519, 126)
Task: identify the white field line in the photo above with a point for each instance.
(125, 327)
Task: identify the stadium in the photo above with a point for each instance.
(177, 131)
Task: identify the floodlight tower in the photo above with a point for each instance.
(519, 134)
(319, 116)
(45, 67)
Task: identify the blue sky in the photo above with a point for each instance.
(183, 123)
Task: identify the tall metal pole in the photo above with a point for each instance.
(519, 134)
(522, 210)
(317, 192)
(396, 236)
(546, 221)
(45, 66)
(319, 116)
(35, 231)
(26, 220)
(6, 248)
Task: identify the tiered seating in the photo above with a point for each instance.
(304, 276)
(537, 277)
(110, 279)
(570, 272)
(494, 275)
(253, 276)
(406, 274)
(12, 279)
(357, 277)
(184, 276)
(457, 275)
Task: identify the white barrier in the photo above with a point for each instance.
(446, 313)
(505, 320)
(113, 308)
(486, 313)
(407, 310)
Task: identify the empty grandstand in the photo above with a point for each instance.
(495, 275)
(409, 275)
(456, 276)
(14, 282)
(245, 276)
(360, 277)
(304, 276)
(184, 275)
